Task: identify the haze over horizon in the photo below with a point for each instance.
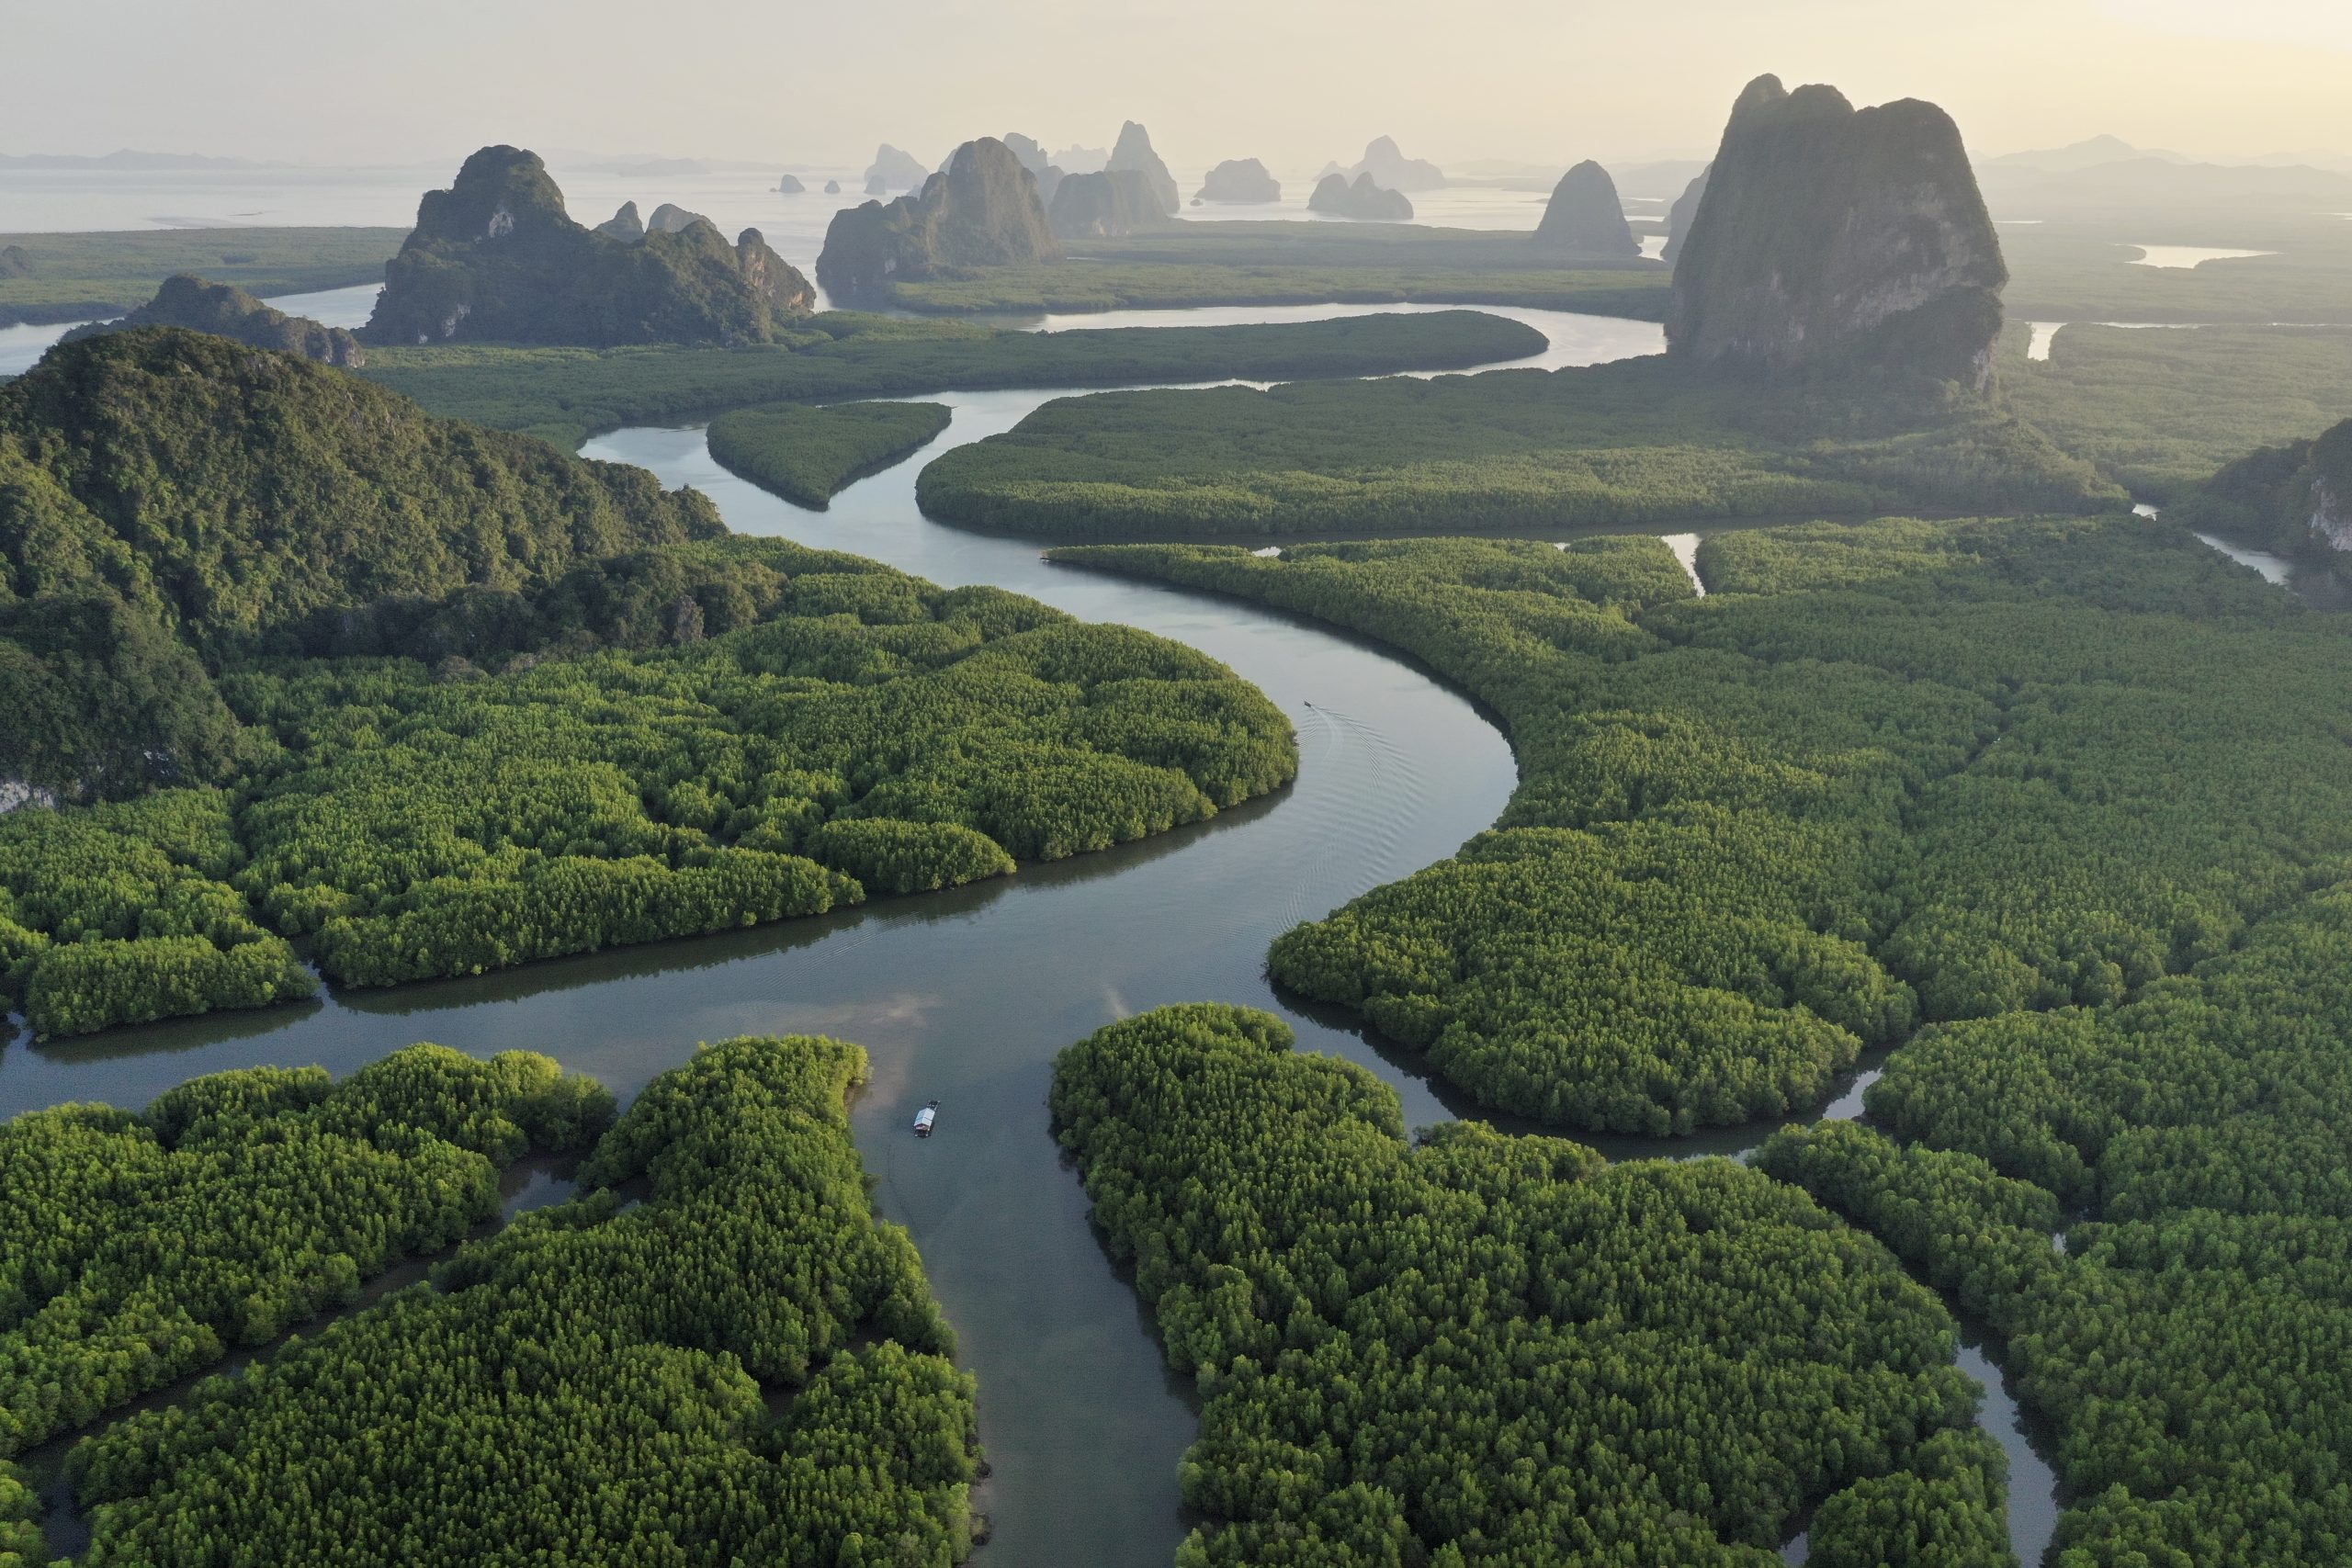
(1310, 82)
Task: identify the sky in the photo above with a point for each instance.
(1292, 82)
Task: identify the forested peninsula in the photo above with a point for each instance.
(595, 1379)
(515, 706)
(1632, 443)
(564, 394)
(1488, 1349)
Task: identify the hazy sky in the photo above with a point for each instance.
(1294, 82)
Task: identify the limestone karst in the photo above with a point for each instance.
(496, 258)
(671, 219)
(790, 185)
(1104, 205)
(1241, 179)
(1679, 216)
(1133, 150)
(1026, 149)
(896, 170)
(225, 310)
(1831, 231)
(1584, 216)
(624, 225)
(980, 210)
(1391, 170)
(1336, 198)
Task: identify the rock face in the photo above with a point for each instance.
(494, 258)
(1241, 179)
(670, 219)
(1033, 157)
(785, 286)
(1105, 206)
(227, 312)
(624, 225)
(981, 210)
(1041, 168)
(1391, 170)
(876, 185)
(790, 185)
(1365, 199)
(1133, 150)
(1826, 233)
(1584, 216)
(895, 170)
(1679, 216)
(2295, 499)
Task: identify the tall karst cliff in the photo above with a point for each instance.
(1585, 217)
(1831, 232)
(1133, 150)
(496, 258)
(980, 210)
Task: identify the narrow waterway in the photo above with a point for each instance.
(965, 996)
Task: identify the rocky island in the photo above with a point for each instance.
(1679, 217)
(1133, 151)
(1335, 198)
(1584, 216)
(788, 185)
(1827, 231)
(671, 219)
(496, 259)
(1241, 179)
(895, 170)
(981, 210)
(624, 225)
(1391, 170)
(1105, 206)
(228, 311)
(1041, 168)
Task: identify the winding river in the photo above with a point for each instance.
(965, 996)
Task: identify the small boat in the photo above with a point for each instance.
(924, 1118)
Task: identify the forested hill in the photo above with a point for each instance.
(236, 492)
(170, 501)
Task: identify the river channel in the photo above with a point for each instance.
(965, 996)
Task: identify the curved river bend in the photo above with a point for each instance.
(965, 996)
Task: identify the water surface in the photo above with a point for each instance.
(2189, 255)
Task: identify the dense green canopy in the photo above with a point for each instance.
(1882, 774)
(594, 1384)
(138, 1248)
(806, 455)
(1634, 443)
(2072, 791)
(1491, 1350)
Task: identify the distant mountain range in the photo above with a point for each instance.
(2099, 149)
(122, 158)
